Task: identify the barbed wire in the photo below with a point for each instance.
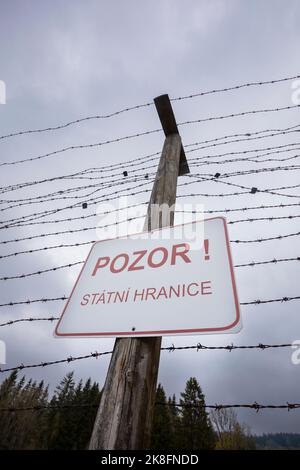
(128, 180)
(148, 158)
(132, 179)
(97, 200)
(32, 301)
(152, 131)
(241, 114)
(101, 169)
(63, 298)
(97, 188)
(195, 162)
(255, 406)
(252, 159)
(69, 265)
(140, 160)
(83, 146)
(76, 121)
(92, 201)
(72, 245)
(191, 161)
(84, 229)
(198, 347)
(251, 190)
(67, 360)
(249, 136)
(149, 104)
(272, 261)
(234, 87)
(95, 214)
(29, 319)
(251, 171)
(259, 240)
(271, 150)
(131, 219)
(154, 156)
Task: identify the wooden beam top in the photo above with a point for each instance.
(166, 115)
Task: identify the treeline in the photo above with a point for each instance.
(65, 420)
(61, 426)
(278, 441)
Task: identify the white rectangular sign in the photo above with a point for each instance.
(179, 280)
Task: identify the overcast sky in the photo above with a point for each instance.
(64, 60)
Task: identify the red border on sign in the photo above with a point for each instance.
(159, 332)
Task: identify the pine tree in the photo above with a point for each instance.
(196, 429)
(60, 419)
(89, 394)
(161, 437)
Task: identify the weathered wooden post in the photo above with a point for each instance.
(125, 413)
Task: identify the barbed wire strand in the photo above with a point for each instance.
(149, 104)
(140, 204)
(132, 179)
(70, 265)
(63, 298)
(149, 132)
(255, 406)
(90, 242)
(198, 347)
(131, 219)
(140, 160)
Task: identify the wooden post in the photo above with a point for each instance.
(125, 413)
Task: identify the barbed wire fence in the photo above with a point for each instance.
(131, 178)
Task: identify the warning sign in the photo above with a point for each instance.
(170, 283)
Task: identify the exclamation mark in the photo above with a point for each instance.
(206, 245)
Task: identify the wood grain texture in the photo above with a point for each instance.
(125, 413)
